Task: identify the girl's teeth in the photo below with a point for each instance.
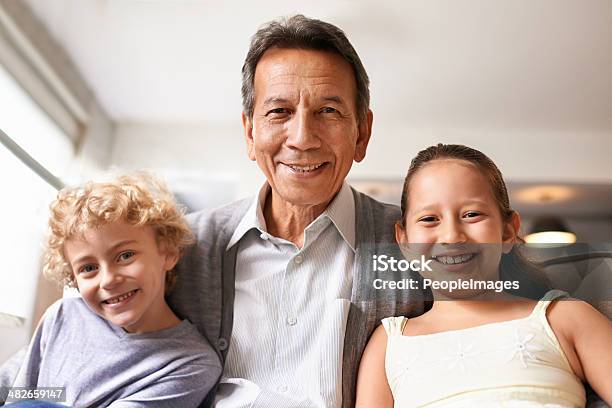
(451, 260)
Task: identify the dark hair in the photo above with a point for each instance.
(533, 283)
(305, 33)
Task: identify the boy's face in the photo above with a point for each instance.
(120, 272)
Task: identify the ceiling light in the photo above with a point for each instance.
(550, 231)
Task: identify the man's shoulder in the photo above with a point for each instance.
(218, 219)
(366, 204)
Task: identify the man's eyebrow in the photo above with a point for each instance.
(333, 98)
(275, 99)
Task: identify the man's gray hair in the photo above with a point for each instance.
(305, 33)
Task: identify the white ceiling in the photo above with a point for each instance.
(480, 63)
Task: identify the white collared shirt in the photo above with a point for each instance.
(290, 310)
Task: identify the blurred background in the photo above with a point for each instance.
(92, 85)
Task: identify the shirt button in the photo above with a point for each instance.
(222, 343)
(298, 259)
(292, 321)
(282, 388)
(264, 236)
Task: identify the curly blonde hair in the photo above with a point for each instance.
(139, 199)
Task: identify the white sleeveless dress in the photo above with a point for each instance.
(516, 363)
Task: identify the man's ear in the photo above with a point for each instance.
(247, 125)
(511, 231)
(365, 131)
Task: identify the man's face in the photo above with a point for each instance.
(305, 131)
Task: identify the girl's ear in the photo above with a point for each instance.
(400, 235)
(511, 230)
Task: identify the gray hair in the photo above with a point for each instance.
(305, 33)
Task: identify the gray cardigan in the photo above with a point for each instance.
(204, 292)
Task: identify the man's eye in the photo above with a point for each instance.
(327, 109)
(277, 111)
(88, 268)
(124, 256)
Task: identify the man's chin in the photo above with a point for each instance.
(306, 197)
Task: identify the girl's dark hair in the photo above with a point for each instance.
(533, 283)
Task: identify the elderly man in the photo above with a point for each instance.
(283, 284)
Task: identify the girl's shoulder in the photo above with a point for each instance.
(573, 321)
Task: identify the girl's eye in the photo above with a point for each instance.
(124, 256)
(88, 268)
(471, 214)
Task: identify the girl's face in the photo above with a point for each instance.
(454, 219)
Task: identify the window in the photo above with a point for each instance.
(24, 197)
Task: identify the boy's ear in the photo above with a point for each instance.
(511, 231)
(171, 255)
(172, 258)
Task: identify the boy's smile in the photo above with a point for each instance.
(120, 271)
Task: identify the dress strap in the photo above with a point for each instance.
(394, 326)
(540, 308)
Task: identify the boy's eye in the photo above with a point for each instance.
(88, 268)
(124, 256)
(428, 218)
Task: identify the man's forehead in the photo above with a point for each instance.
(294, 73)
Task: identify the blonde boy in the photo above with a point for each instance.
(119, 344)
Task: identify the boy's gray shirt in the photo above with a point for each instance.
(100, 365)
(204, 292)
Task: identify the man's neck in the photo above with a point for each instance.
(288, 221)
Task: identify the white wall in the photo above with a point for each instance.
(214, 151)
(522, 155)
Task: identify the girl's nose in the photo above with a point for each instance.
(452, 233)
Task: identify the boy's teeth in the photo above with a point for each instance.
(304, 169)
(451, 260)
(120, 298)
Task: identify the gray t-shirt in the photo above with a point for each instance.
(101, 365)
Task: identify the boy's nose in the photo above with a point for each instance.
(109, 278)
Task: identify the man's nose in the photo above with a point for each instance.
(109, 277)
(452, 233)
(303, 132)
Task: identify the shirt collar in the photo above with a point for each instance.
(341, 212)
(253, 218)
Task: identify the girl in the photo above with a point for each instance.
(479, 346)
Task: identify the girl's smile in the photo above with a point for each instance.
(453, 218)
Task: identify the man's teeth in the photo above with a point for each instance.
(450, 260)
(120, 298)
(303, 169)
